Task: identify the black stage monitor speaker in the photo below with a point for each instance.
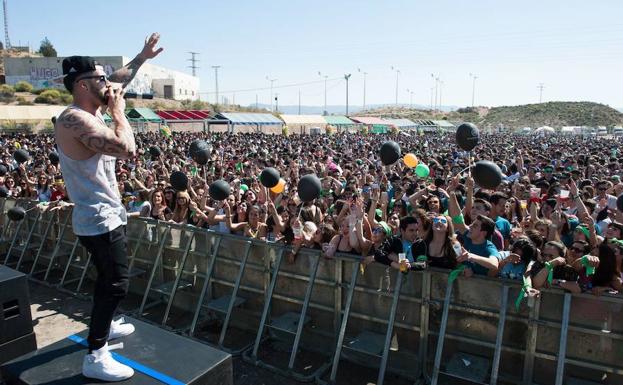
(16, 335)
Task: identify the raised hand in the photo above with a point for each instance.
(149, 50)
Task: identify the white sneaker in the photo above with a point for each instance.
(101, 366)
(120, 329)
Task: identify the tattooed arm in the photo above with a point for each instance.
(95, 135)
(125, 74)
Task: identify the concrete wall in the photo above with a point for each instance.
(45, 72)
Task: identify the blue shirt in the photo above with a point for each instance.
(504, 226)
(485, 249)
(510, 270)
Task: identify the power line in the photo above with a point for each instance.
(275, 87)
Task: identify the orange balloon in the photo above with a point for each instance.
(410, 160)
(278, 189)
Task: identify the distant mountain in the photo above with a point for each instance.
(554, 114)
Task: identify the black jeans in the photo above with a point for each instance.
(109, 254)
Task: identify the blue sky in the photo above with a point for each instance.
(573, 47)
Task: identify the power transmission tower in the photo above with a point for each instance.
(7, 41)
(540, 87)
(193, 62)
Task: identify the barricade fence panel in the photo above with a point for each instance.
(216, 287)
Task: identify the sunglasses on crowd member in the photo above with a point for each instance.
(377, 230)
(440, 220)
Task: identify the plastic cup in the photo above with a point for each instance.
(523, 204)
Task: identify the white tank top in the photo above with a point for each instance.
(92, 187)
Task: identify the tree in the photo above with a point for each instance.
(47, 49)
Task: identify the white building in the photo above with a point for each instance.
(44, 72)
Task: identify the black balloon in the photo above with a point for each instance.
(269, 177)
(16, 213)
(487, 174)
(53, 157)
(390, 152)
(3, 170)
(467, 136)
(4, 192)
(620, 202)
(21, 156)
(155, 151)
(309, 188)
(199, 151)
(219, 190)
(179, 180)
(202, 157)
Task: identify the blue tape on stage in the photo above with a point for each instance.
(133, 364)
(157, 356)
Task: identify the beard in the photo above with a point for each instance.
(101, 95)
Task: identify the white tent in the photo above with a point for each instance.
(544, 130)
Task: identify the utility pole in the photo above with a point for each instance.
(436, 80)
(325, 91)
(474, 77)
(256, 102)
(216, 82)
(440, 89)
(431, 97)
(364, 87)
(299, 101)
(397, 73)
(271, 91)
(410, 98)
(540, 87)
(277, 102)
(193, 62)
(346, 76)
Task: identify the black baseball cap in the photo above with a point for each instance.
(74, 66)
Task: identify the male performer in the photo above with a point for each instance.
(87, 150)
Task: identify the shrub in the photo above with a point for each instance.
(23, 86)
(49, 97)
(21, 101)
(66, 99)
(6, 90)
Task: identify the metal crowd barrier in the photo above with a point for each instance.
(331, 320)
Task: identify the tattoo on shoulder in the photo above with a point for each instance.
(71, 122)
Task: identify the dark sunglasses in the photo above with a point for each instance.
(100, 78)
(438, 220)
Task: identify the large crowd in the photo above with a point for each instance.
(553, 221)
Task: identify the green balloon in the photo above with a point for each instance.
(422, 170)
(244, 187)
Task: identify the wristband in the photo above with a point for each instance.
(590, 270)
(458, 219)
(522, 293)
